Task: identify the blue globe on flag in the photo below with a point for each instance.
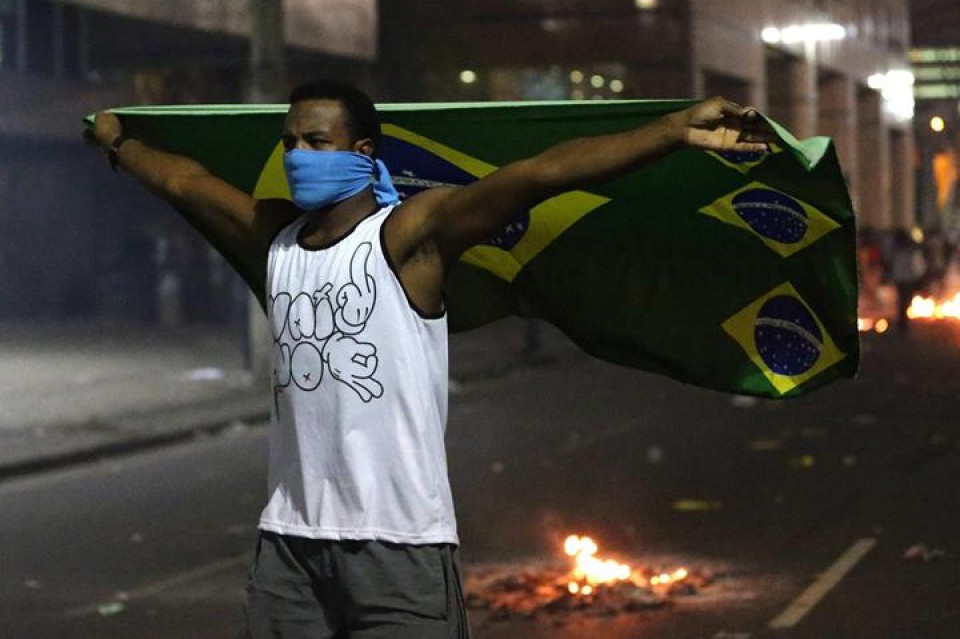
(772, 214)
(787, 336)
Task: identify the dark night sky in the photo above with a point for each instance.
(935, 22)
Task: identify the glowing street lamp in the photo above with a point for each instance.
(896, 88)
(797, 33)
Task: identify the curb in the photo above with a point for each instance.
(73, 444)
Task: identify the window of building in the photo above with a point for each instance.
(590, 81)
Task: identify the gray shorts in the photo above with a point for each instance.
(320, 589)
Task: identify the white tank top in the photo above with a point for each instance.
(360, 396)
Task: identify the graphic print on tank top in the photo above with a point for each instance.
(317, 337)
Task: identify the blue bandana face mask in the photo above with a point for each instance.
(322, 178)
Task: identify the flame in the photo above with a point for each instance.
(589, 571)
(666, 578)
(588, 568)
(928, 308)
(868, 324)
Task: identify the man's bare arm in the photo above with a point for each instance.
(237, 224)
(464, 217)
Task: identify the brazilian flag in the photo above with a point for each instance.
(731, 271)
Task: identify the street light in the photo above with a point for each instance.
(796, 33)
(896, 88)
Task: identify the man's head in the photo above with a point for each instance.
(331, 115)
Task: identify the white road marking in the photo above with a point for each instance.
(169, 583)
(823, 584)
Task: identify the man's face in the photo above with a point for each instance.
(320, 125)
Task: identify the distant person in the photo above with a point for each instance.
(358, 537)
(936, 253)
(906, 271)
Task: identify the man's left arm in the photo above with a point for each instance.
(461, 218)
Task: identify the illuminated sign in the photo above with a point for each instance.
(936, 72)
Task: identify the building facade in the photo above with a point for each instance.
(935, 56)
(819, 67)
(77, 240)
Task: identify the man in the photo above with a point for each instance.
(907, 270)
(358, 537)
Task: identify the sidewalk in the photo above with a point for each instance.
(74, 391)
(77, 391)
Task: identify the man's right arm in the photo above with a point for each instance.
(238, 225)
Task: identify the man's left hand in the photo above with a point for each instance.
(721, 125)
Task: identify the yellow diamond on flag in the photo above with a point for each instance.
(272, 183)
(528, 236)
(782, 222)
(547, 222)
(784, 338)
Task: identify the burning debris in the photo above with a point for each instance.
(929, 308)
(921, 552)
(869, 324)
(602, 587)
(921, 308)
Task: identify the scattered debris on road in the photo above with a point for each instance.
(593, 586)
(921, 552)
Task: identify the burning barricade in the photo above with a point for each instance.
(930, 308)
(592, 585)
(921, 308)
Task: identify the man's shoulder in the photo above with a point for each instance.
(424, 204)
(409, 228)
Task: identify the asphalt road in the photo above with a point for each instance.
(811, 515)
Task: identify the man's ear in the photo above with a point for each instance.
(365, 146)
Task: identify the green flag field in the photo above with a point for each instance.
(734, 272)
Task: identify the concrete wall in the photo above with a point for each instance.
(77, 239)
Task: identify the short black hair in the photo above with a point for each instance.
(363, 120)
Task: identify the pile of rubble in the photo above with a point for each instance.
(509, 592)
